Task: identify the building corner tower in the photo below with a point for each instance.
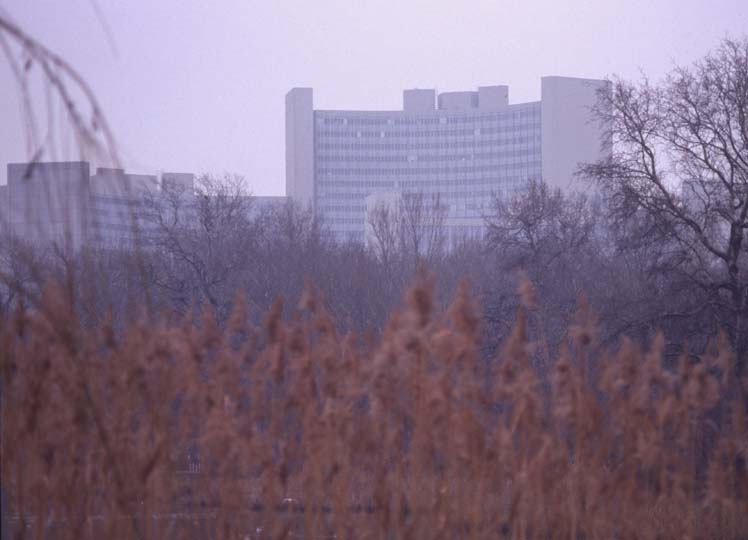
(570, 132)
(300, 146)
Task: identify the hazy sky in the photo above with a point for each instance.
(199, 86)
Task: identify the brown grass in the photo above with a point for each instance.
(415, 436)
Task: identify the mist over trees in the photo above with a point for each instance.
(653, 239)
(640, 257)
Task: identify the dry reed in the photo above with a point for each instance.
(182, 430)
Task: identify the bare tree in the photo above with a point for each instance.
(24, 270)
(540, 224)
(680, 166)
(208, 240)
(384, 222)
(295, 249)
(549, 237)
(422, 219)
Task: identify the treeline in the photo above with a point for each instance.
(567, 245)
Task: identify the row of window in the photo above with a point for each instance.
(119, 201)
(485, 194)
(357, 183)
(520, 114)
(465, 132)
(513, 180)
(401, 171)
(420, 184)
(344, 221)
(412, 158)
(404, 146)
(341, 196)
(342, 208)
(510, 114)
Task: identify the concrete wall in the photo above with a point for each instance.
(116, 183)
(48, 202)
(300, 146)
(4, 207)
(117, 206)
(418, 100)
(266, 204)
(60, 202)
(493, 98)
(458, 101)
(570, 132)
(182, 182)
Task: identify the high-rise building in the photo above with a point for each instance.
(467, 146)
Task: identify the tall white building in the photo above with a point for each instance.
(467, 146)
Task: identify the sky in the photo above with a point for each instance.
(198, 86)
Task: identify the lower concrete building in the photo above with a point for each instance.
(63, 203)
(49, 202)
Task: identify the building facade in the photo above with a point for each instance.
(467, 146)
(48, 201)
(63, 203)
